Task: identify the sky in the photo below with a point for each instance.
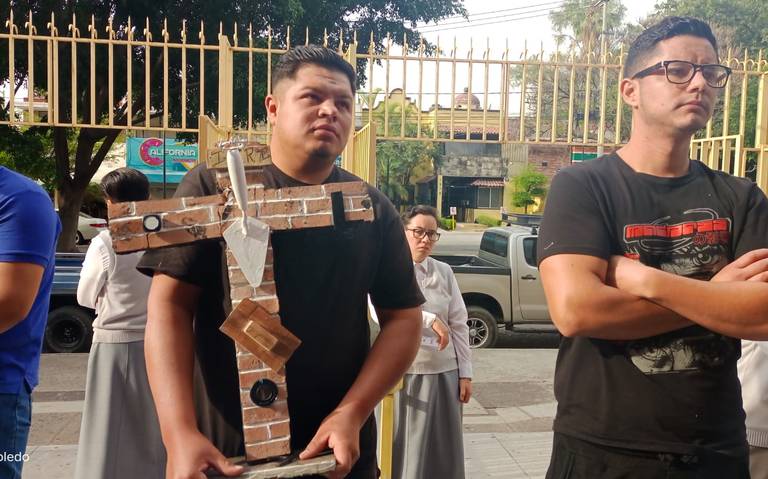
(512, 24)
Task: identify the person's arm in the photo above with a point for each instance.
(19, 283)
(389, 358)
(581, 304)
(734, 303)
(169, 351)
(29, 228)
(457, 322)
(93, 274)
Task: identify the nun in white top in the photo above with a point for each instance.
(428, 410)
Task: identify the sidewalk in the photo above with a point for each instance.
(507, 424)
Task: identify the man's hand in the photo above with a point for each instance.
(625, 274)
(341, 433)
(752, 266)
(194, 455)
(465, 389)
(443, 334)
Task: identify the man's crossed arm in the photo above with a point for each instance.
(622, 299)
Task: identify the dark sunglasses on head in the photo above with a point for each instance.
(680, 72)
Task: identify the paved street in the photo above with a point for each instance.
(506, 424)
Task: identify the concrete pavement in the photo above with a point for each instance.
(507, 424)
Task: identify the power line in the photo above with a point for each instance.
(498, 17)
(483, 24)
(505, 10)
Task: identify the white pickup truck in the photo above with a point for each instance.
(501, 286)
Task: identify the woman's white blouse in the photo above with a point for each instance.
(443, 299)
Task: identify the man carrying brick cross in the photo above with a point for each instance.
(322, 276)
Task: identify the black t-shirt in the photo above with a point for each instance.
(322, 276)
(676, 392)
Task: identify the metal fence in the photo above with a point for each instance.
(110, 76)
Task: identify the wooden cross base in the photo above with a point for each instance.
(271, 470)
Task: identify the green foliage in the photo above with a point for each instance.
(487, 220)
(529, 185)
(448, 224)
(395, 162)
(77, 161)
(28, 151)
(577, 25)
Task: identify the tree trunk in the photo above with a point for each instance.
(69, 210)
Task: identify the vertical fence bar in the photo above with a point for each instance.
(555, 93)
(11, 68)
(129, 74)
(470, 95)
(487, 58)
(619, 99)
(371, 96)
(386, 89)
(437, 95)
(147, 91)
(165, 74)
(587, 95)
(250, 81)
(184, 74)
(727, 100)
(201, 38)
(603, 99)
(453, 88)
(504, 99)
(523, 88)
(53, 68)
(421, 86)
(404, 105)
(73, 69)
(31, 31)
(571, 97)
(269, 76)
(110, 75)
(540, 83)
(92, 72)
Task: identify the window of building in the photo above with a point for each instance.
(489, 197)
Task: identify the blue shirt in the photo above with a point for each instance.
(29, 228)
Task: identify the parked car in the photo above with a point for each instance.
(69, 328)
(501, 286)
(88, 227)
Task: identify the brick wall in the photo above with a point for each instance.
(183, 220)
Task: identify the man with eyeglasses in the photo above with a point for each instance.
(653, 265)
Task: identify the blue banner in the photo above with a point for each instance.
(146, 155)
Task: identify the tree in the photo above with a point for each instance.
(529, 185)
(78, 153)
(578, 27)
(397, 160)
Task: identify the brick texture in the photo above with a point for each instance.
(263, 345)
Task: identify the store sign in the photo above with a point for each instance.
(147, 155)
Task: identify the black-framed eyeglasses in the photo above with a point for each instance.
(680, 72)
(419, 233)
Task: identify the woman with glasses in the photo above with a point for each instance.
(428, 426)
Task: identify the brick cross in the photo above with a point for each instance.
(263, 346)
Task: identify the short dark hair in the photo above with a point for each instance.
(125, 184)
(419, 210)
(668, 27)
(297, 57)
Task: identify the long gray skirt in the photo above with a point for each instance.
(428, 442)
(119, 434)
